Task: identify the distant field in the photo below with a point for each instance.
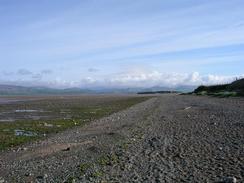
(24, 119)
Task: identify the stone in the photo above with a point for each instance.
(67, 149)
(230, 180)
(28, 174)
(187, 108)
(2, 180)
(40, 177)
(48, 125)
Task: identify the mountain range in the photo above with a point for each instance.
(23, 90)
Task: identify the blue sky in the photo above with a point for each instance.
(120, 43)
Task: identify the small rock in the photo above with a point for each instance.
(2, 180)
(48, 125)
(28, 174)
(186, 108)
(40, 177)
(212, 117)
(213, 123)
(24, 148)
(230, 180)
(67, 149)
(19, 149)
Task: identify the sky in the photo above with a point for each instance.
(121, 43)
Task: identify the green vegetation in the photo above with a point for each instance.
(108, 159)
(84, 167)
(233, 89)
(97, 174)
(158, 92)
(70, 180)
(80, 114)
(104, 160)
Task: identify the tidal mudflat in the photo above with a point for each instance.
(24, 119)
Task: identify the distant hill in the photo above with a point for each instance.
(158, 92)
(180, 88)
(235, 88)
(22, 90)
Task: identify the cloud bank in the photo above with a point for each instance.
(127, 79)
(155, 78)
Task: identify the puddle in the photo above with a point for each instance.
(48, 125)
(26, 110)
(6, 112)
(64, 112)
(7, 120)
(6, 100)
(24, 133)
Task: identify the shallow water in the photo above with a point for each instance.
(26, 110)
(7, 120)
(5, 100)
(24, 133)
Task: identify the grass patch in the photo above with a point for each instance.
(97, 174)
(104, 160)
(221, 94)
(84, 167)
(70, 180)
(225, 94)
(125, 146)
(108, 159)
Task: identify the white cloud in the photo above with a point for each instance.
(133, 77)
(155, 78)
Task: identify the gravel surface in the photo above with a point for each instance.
(169, 138)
